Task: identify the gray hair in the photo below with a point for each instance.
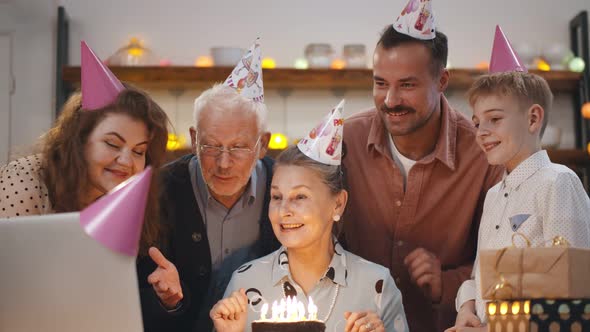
(331, 175)
(221, 97)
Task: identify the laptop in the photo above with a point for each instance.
(54, 277)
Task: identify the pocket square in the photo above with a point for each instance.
(517, 220)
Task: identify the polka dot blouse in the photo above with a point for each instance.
(22, 193)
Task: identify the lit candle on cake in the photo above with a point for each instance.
(301, 310)
(294, 316)
(263, 311)
(289, 315)
(312, 310)
(275, 311)
(282, 310)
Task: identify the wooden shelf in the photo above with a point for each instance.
(198, 78)
(570, 157)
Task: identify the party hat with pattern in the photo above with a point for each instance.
(324, 142)
(416, 20)
(246, 77)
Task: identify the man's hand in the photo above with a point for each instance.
(165, 280)
(426, 272)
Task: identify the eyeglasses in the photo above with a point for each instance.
(238, 153)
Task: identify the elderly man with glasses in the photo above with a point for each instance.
(215, 210)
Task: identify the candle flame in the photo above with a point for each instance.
(263, 311)
(289, 310)
(275, 311)
(312, 310)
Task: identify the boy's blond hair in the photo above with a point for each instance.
(527, 88)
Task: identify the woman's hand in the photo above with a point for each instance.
(230, 314)
(363, 321)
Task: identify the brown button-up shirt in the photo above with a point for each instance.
(439, 211)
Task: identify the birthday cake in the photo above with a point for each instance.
(289, 316)
(301, 326)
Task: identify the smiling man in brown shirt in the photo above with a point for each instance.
(417, 180)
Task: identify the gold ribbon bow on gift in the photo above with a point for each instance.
(503, 286)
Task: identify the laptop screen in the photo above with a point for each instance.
(53, 277)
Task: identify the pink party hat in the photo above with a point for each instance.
(246, 77)
(324, 142)
(100, 87)
(504, 58)
(116, 219)
(416, 20)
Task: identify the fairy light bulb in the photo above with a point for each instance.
(301, 63)
(586, 110)
(278, 141)
(576, 65)
(492, 309)
(268, 63)
(515, 308)
(204, 61)
(503, 308)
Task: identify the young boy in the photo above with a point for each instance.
(536, 197)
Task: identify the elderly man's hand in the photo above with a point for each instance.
(426, 272)
(165, 280)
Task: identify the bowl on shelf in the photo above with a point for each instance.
(555, 55)
(226, 56)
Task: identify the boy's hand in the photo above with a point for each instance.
(466, 318)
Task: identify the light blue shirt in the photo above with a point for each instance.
(351, 283)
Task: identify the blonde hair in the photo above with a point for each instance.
(527, 88)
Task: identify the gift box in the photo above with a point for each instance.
(533, 273)
(538, 315)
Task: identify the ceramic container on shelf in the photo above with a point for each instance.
(555, 55)
(355, 56)
(226, 56)
(319, 55)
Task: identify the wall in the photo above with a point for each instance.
(31, 25)
(5, 87)
(181, 30)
